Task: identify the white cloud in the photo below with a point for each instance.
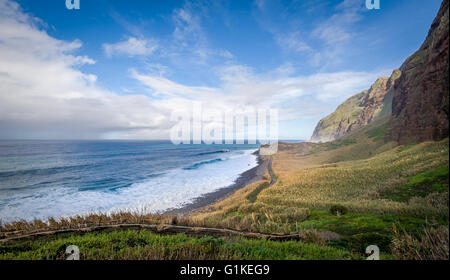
(160, 85)
(131, 47)
(339, 27)
(43, 94)
(187, 26)
(291, 41)
(298, 97)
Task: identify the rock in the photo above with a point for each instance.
(416, 97)
(357, 111)
(421, 96)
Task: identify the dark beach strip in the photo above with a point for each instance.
(248, 177)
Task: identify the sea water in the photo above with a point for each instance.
(40, 179)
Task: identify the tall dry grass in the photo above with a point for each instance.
(432, 244)
(357, 184)
(307, 182)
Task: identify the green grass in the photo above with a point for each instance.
(146, 245)
(340, 143)
(421, 185)
(361, 230)
(254, 194)
(359, 242)
(407, 147)
(377, 133)
(351, 224)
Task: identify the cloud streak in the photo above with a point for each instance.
(131, 47)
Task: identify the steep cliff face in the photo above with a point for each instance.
(416, 96)
(420, 103)
(357, 111)
(336, 124)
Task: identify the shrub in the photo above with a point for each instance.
(432, 244)
(338, 210)
(313, 236)
(359, 242)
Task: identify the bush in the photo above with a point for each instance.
(313, 236)
(359, 242)
(431, 245)
(338, 210)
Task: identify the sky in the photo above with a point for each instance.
(118, 69)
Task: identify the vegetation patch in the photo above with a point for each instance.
(432, 244)
(144, 245)
(407, 147)
(352, 224)
(340, 143)
(338, 210)
(421, 185)
(377, 133)
(359, 242)
(254, 194)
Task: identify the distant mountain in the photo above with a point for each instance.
(416, 96)
(357, 111)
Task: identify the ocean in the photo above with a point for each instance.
(41, 179)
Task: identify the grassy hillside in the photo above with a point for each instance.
(339, 197)
(381, 190)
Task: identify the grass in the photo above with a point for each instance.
(351, 224)
(431, 245)
(340, 143)
(377, 133)
(144, 245)
(384, 187)
(358, 184)
(254, 194)
(311, 185)
(407, 147)
(421, 185)
(83, 221)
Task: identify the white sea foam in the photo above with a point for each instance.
(173, 189)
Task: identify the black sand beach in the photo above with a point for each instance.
(244, 179)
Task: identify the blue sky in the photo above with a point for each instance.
(121, 66)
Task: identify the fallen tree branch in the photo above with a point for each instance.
(162, 229)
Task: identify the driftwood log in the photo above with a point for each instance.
(161, 229)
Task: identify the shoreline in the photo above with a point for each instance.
(252, 175)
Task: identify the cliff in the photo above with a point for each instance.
(420, 103)
(357, 111)
(416, 96)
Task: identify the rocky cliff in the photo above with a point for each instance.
(357, 111)
(420, 103)
(416, 96)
